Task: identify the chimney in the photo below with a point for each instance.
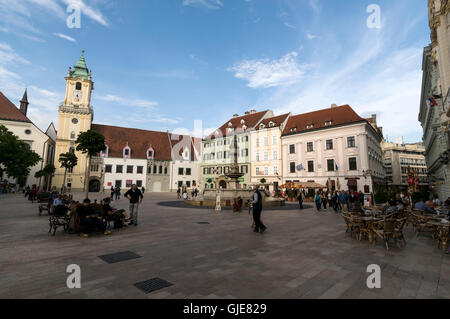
(24, 103)
(252, 111)
(235, 115)
(247, 113)
(333, 105)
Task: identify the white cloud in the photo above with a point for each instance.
(209, 4)
(311, 36)
(127, 102)
(91, 12)
(265, 73)
(63, 36)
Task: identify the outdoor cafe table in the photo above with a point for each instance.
(442, 230)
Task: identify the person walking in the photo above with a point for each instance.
(117, 191)
(112, 193)
(143, 190)
(324, 201)
(318, 200)
(257, 209)
(300, 199)
(178, 193)
(135, 196)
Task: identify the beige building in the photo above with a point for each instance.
(335, 145)
(398, 156)
(43, 143)
(265, 143)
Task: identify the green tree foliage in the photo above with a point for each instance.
(90, 143)
(68, 161)
(16, 157)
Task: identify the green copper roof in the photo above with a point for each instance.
(80, 69)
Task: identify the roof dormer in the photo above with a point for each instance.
(150, 153)
(242, 121)
(261, 126)
(230, 124)
(127, 151)
(271, 124)
(105, 152)
(328, 123)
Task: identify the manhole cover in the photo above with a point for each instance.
(118, 257)
(151, 285)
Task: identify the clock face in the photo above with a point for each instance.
(77, 94)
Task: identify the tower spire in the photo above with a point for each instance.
(24, 103)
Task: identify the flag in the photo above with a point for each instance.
(431, 102)
(337, 168)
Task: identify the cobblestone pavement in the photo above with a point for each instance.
(303, 254)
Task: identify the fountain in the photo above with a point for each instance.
(233, 190)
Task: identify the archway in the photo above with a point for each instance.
(94, 186)
(223, 184)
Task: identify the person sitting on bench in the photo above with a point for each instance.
(90, 222)
(111, 214)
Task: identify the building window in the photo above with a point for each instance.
(309, 127)
(108, 169)
(94, 168)
(292, 167)
(129, 169)
(150, 153)
(266, 171)
(155, 169)
(75, 121)
(257, 156)
(72, 135)
(78, 86)
(266, 156)
(118, 183)
(275, 170)
(140, 169)
(310, 166)
(188, 183)
(129, 183)
(180, 171)
(139, 183)
(351, 141)
(266, 141)
(352, 164)
(160, 169)
(292, 149)
(244, 169)
(328, 123)
(275, 155)
(257, 171)
(274, 140)
(119, 168)
(70, 170)
(329, 144)
(126, 152)
(188, 171)
(310, 147)
(330, 165)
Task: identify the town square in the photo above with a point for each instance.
(179, 154)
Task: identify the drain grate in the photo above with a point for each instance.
(118, 257)
(203, 223)
(151, 285)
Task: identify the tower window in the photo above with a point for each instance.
(78, 86)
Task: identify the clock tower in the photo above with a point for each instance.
(75, 116)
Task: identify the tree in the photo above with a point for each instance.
(16, 157)
(47, 171)
(68, 161)
(90, 143)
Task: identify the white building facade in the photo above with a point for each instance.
(333, 145)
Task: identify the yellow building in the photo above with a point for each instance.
(75, 116)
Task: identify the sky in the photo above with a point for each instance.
(168, 64)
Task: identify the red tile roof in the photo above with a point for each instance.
(8, 111)
(337, 115)
(138, 140)
(277, 120)
(250, 121)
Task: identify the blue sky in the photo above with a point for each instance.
(162, 64)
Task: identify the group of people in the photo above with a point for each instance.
(182, 193)
(338, 200)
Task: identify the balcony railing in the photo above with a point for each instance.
(75, 109)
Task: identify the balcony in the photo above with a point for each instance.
(75, 109)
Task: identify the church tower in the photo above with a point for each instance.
(75, 116)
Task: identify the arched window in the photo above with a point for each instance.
(150, 153)
(72, 135)
(78, 86)
(127, 152)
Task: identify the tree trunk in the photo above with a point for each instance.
(86, 182)
(64, 181)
